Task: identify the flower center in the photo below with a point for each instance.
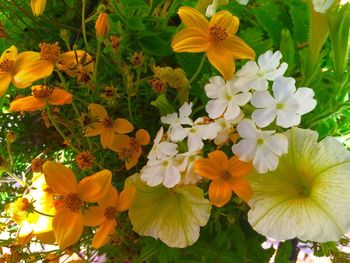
(107, 122)
(41, 92)
(260, 141)
(84, 160)
(125, 153)
(6, 65)
(110, 213)
(279, 106)
(50, 52)
(72, 202)
(226, 175)
(217, 34)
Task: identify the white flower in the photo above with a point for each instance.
(195, 134)
(163, 171)
(287, 105)
(321, 6)
(161, 149)
(186, 167)
(226, 128)
(226, 98)
(243, 2)
(263, 147)
(211, 9)
(256, 75)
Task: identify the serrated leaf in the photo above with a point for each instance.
(300, 16)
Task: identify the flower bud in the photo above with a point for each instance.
(102, 25)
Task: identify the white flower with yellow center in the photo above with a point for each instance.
(321, 6)
(308, 195)
(160, 148)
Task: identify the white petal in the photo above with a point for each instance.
(215, 108)
(246, 129)
(171, 176)
(168, 148)
(262, 99)
(185, 110)
(283, 88)
(304, 96)
(242, 2)
(263, 117)
(170, 118)
(277, 143)
(265, 160)
(287, 118)
(152, 175)
(232, 111)
(245, 149)
(272, 75)
(209, 131)
(259, 84)
(215, 83)
(242, 99)
(194, 142)
(178, 133)
(321, 6)
(269, 61)
(249, 69)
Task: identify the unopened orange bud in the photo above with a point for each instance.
(102, 24)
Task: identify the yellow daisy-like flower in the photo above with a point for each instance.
(216, 38)
(70, 197)
(104, 215)
(38, 6)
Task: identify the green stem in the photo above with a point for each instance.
(9, 151)
(43, 214)
(15, 177)
(199, 68)
(98, 54)
(83, 23)
(129, 107)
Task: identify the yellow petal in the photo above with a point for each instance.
(192, 18)
(238, 48)
(24, 59)
(225, 19)
(60, 178)
(106, 137)
(46, 237)
(219, 193)
(103, 233)
(10, 54)
(133, 160)
(119, 141)
(190, 40)
(95, 187)
(142, 136)
(38, 6)
(121, 125)
(94, 129)
(94, 216)
(59, 97)
(5, 80)
(242, 188)
(111, 198)
(125, 198)
(98, 111)
(71, 60)
(67, 227)
(223, 61)
(29, 103)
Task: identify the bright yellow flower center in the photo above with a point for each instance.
(49, 52)
(6, 65)
(72, 202)
(41, 92)
(110, 213)
(107, 122)
(217, 34)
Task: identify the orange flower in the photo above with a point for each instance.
(106, 126)
(104, 215)
(226, 175)
(216, 38)
(70, 197)
(41, 96)
(102, 24)
(129, 149)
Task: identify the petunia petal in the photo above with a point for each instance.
(190, 40)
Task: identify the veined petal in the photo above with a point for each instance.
(67, 227)
(222, 60)
(225, 19)
(192, 18)
(38, 6)
(125, 198)
(142, 136)
(205, 168)
(25, 59)
(237, 47)
(104, 233)
(121, 125)
(5, 80)
(94, 215)
(242, 188)
(98, 111)
(219, 193)
(59, 97)
(190, 40)
(29, 103)
(237, 168)
(95, 187)
(60, 178)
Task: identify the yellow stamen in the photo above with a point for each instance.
(50, 52)
(72, 202)
(41, 92)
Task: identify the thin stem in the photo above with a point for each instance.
(9, 151)
(83, 23)
(98, 54)
(15, 177)
(129, 107)
(199, 69)
(43, 214)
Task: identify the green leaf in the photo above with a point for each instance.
(157, 43)
(284, 252)
(70, 3)
(135, 23)
(287, 49)
(299, 12)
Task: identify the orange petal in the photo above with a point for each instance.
(60, 178)
(94, 129)
(192, 18)
(190, 40)
(237, 168)
(29, 103)
(104, 233)
(10, 53)
(219, 193)
(38, 6)
(119, 141)
(34, 71)
(59, 97)
(142, 136)
(111, 198)
(94, 216)
(25, 59)
(204, 167)
(242, 188)
(121, 125)
(95, 187)
(218, 158)
(67, 227)
(238, 48)
(225, 19)
(5, 80)
(98, 111)
(222, 60)
(125, 198)
(71, 59)
(133, 160)
(107, 137)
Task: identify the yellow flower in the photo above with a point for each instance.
(70, 197)
(104, 215)
(216, 38)
(106, 126)
(38, 6)
(41, 96)
(226, 175)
